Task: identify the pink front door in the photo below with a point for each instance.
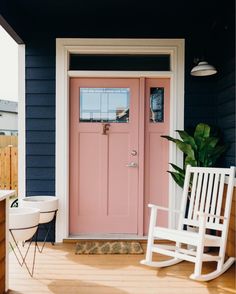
(118, 160)
(104, 116)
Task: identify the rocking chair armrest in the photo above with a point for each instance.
(163, 208)
(204, 214)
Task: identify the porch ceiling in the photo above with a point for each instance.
(105, 18)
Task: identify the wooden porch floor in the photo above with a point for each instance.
(58, 270)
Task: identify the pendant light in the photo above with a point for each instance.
(203, 69)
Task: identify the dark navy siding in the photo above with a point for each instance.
(226, 109)
(40, 119)
(200, 92)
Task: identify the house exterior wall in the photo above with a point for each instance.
(8, 117)
(40, 119)
(8, 122)
(225, 110)
(200, 106)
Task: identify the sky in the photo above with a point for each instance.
(8, 67)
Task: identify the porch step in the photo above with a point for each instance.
(100, 237)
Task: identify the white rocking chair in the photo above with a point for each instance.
(204, 210)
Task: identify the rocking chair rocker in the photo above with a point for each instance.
(205, 211)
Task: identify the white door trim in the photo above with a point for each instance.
(174, 47)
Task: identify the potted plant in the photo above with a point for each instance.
(200, 149)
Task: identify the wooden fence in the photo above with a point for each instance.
(9, 168)
(8, 140)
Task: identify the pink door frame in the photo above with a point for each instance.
(143, 122)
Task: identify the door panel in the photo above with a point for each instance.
(89, 168)
(103, 190)
(118, 201)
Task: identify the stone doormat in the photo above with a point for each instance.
(108, 247)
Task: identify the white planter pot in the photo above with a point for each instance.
(46, 204)
(23, 222)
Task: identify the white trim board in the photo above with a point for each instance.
(174, 47)
(21, 123)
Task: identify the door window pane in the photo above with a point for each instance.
(156, 105)
(104, 105)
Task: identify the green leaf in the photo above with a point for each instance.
(201, 149)
(187, 139)
(178, 178)
(169, 138)
(190, 161)
(211, 141)
(178, 169)
(202, 132)
(208, 150)
(185, 148)
(216, 153)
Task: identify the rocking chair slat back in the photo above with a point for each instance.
(209, 192)
(207, 187)
(220, 197)
(204, 193)
(197, 196)
(192, 196)
(213, 199)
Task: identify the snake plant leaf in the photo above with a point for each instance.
(178, 178)
(202, 131)
(187, 138)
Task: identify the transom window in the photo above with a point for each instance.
(123, 62)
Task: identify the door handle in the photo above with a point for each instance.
(132, 164)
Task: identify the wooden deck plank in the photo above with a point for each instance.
(58, 270)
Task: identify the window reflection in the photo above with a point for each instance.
(104, 104)
(156, 105)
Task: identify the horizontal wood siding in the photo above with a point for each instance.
(200, 92)
(40, 118)
(226, 109)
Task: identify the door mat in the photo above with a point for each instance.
(108, 247)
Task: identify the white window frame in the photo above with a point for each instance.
(64, 47)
